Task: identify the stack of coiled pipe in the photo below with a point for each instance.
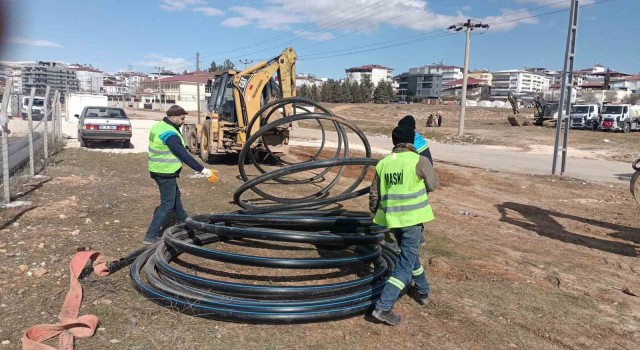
(348, 268)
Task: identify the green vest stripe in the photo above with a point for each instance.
(162, 153)
(403, 208)
(160, 158)
(404, 196)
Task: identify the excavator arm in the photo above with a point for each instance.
(252, 82)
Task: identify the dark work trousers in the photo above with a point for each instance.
(169, 202)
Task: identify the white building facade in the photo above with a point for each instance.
(517, 82)
(375, 73)
(89, 79)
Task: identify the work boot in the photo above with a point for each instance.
(151, 241)
(422, 299)
(387, 317)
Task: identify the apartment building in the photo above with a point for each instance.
(518, 82)
(448, 73)
(418, 85)
(90, 80)
(374, 72)
(54, 74)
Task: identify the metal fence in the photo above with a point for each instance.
(28, 138)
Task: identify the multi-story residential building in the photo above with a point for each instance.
(90, 80)
(485, 75)
(630, 83)
(374, 72)
(180, 88)
(418, 85)
(448, 73)
(518, 82)
(54, 74)
(131, 80)
(307, 79)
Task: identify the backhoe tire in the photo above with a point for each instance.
(204, 141)
(192, 142)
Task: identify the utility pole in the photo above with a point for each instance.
(160, 69)
(567, 88)
(245, 62)
(198, 83)
(130, 84)
(467, 26)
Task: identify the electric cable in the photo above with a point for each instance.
(345, 240)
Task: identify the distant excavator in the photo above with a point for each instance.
(516, 119)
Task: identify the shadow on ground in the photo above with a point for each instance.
(544, 222)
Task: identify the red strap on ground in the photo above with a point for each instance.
(70, 325)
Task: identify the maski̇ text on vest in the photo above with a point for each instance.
(394, 178)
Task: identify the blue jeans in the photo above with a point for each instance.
(408, 267)
(169, 202)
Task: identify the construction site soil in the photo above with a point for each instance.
(489, 126)
(515, 261)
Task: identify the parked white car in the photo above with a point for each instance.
(104, 124)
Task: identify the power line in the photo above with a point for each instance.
(362, 15)
(438, 36)
(369, 26)
(321, 21)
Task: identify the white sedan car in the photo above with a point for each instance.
(104, 124)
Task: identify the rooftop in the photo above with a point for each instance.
(200, 77)
(368, 67)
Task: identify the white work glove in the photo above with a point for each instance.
(211, 175)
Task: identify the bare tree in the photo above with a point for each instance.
(589, 97)
(611, 96)
(631, 99)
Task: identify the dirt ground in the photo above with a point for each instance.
(515, 261)
(489, 126)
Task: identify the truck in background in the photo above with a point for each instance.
(585, 115)
(619, 117)
(37, 110)
(76, 103)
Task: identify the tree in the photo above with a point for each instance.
(354, 92)
(213, 67)
(631, 99)
(366, 90)
(228, 65)
(315, 93)
(589, 96)
(325, 92)
(390, 92)
(303, 91)
(383, 93)
(345, 87)
(611, 96)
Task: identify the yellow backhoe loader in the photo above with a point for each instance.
(236, 97)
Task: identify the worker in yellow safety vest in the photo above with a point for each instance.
(399, 201)
(167, 153)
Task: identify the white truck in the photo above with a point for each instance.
(585, 115)
(77, 102)
(619, 117)
(37, 110)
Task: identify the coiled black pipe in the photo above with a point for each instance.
(351, 237)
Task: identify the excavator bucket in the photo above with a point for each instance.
(634, 185)
(518, 120)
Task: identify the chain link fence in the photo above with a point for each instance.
(31, 133)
